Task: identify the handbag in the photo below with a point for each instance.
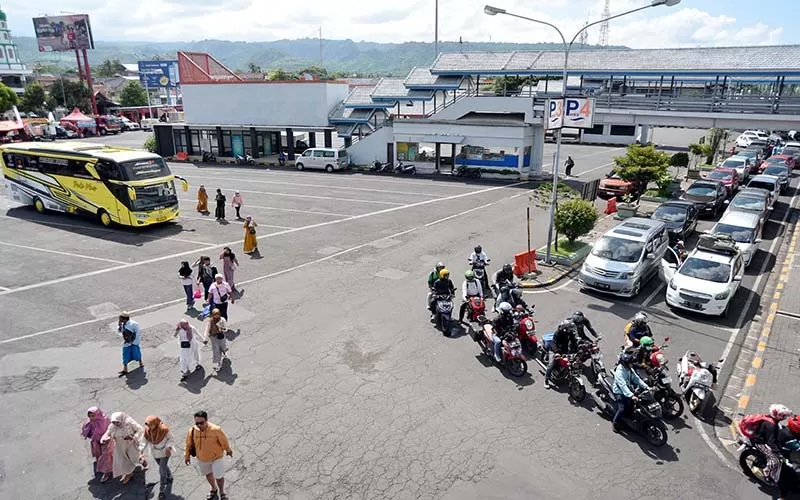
(128, 336)
(192, 449)
(197, 293)
(185, 344)
(252, 230)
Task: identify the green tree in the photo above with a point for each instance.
(8, 98)
(575, 217)
(150, 144)
(280, 75)
(34, 99)
(315, 71)
(133, 94)
(109, 68)
(510, 85)
(542, 197)
(76, 93)
(716, 137)
(699, 151)
(642, 164)
(253, 68)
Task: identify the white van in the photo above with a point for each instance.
(329, 159)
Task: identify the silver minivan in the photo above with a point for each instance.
(624, 259)
(328, 159)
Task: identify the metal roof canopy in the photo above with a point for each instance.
(781, 60)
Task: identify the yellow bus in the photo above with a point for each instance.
(115, 185)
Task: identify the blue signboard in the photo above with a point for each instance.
(154, 74)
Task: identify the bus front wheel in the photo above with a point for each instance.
(38, 204)
(104, 218)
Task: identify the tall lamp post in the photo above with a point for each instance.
(493, 11)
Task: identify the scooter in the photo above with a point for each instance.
(479, 268)
(696, 379)
(526, 332)
(209, 157)
(443, 318)
(245, 160)
(476, 307)
(753, 462)
(464, 171)
(661, 383)
(645, 417)
(510, 351)
(380, 168)
(402, 169)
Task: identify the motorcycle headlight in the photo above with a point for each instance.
(516, 351)
(722, 296)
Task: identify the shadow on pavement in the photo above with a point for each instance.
(225, 372)
(136, 379)
(196, 380)
(525, 380)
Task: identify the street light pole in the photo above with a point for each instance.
(493, 11)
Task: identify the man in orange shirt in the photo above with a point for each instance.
(208, 444)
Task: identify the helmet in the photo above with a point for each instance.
(518, 308)
(566, 326)
(779, 412)
(504, 307)
(794, 425)
(516, 293)
(507, 268)
(469, 274)
(626, 358)
(640, 318)
(439, 266)
(478, 249)
(444, 273)
(646, 341)
(578, 317)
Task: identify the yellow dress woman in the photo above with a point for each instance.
(250, 241)
(202, 200)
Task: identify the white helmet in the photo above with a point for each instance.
(779, 412)
(504, 307)
(640, 318)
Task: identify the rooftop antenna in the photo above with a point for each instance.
(583, 38)
(604, 25)
(320, 48)
(460, 45)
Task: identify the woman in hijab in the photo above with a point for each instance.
(190, 349)
(220, 211)
(250, 240)
(202, 200)
(128, 445)
(229, 265)
(237, 203)
(93, 429)
(185, 275)
(216, 326)
(158, 436)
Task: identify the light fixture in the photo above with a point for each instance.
(668, 3)
(493, 11)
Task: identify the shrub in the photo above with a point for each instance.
(679, 160)
(643, 164)
(150, 144)
(575, 217)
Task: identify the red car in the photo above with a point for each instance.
(612, 186)
(727, 176)
(782, 160)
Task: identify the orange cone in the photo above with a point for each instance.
(611, 207)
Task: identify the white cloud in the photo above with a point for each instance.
(390, 21)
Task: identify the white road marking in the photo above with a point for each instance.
(646, 302)
(271, 235)
(703, 434)
(569, 282)
(605, 165)
(267, 276)
(276, 209)
(605, 151)
(329, 198)
(2, 288)
(233, 222)
(66, 254)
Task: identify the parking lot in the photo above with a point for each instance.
(338, 383)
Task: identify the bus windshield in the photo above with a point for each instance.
(146, 168)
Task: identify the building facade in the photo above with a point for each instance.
(13, 72)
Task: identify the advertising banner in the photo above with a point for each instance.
(569, 112)
(63, 33)
(154, 74)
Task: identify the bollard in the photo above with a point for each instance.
(611, 207)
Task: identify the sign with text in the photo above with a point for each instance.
(569, 112)
(63, 33)
(154, 74)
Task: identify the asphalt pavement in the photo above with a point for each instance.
(338, 388)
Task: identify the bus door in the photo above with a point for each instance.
(109, 194)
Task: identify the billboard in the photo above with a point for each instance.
(569, 112)
(154, 74)
(63, 33)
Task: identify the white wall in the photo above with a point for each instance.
(371, 148)
(476, 135)
(262, 103)
(487, 104)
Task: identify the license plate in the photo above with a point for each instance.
(161, 219)
(602, 286)
(693, 305)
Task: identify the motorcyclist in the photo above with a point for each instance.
(502, 325)
(625, 377)
(502, 276)
(766, 440)
(478, 256)
(642, 355)
(582, 324)
(637, 328)
(470, 288)
(565, 341)
(443, 286)
(680, 250)
(432, 277)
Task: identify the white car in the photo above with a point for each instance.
(707, 280)
(128, 124)
(749, 136)
(745, 229)
(768, 183)
(741, 164)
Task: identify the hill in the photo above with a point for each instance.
(368, 58)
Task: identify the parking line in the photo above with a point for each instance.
(646, 303)
(270, 235)
(276, 209)
(329, 198)
(66, 254)
(3, 289)
(595, 168)
(208, 219)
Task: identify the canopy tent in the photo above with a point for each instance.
(9, 125)
(79, 119)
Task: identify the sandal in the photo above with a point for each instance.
(224, 496)
(126, 478)
(212, 495)
(105, 477)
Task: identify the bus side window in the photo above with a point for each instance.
(8, 159)
(108, 170)
(77, 169)
(51, 166)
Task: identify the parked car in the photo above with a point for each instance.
(781, 160)
(748, 136)
(745, 229)
(65, 133)
(794, 152)
(751, 200)
(752, 155)
(761, 146)
(741, 164)
(769, 184)
(781, 172)
(625, 258)
(680, 217)
(613, 185)
(708, 279)
(708, 196)
(128, 124)
(728, 176)
(328, 159)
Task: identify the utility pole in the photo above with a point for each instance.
(604, 25)
(436, 30)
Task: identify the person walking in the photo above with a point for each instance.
(205, 275)
(128, 445)
(190, 349)
(219, 293)
(216, 326)
(185, 275)
(237, 203)
(131, 337)
(94, 428)
(209, 445)
(229, 265)
(158, 436)
(202, 200)
(569, 164)
(250, 246)
(220, 211)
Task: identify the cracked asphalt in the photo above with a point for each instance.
(338, 386)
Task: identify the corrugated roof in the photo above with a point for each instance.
(707, 60)
(420, 76)
(359, 96)
(389, 87)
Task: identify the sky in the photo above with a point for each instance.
(692, 23)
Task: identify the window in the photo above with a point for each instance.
(77, 168)
(329, 154)
(108, 170)
(596, 130)
(53, 166)
(318, 153)
(308, 152)
(227, 149)
(179, 137)
(737, 266)
(194, 135)
(629, 130)
(649, 247)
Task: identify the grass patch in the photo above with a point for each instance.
(565, 248)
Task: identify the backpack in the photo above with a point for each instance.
(749, 424)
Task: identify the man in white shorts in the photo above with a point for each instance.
(209, 445)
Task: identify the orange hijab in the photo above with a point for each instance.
(155, 430)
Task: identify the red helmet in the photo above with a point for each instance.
(794, 425)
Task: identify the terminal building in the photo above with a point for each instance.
(459, 111)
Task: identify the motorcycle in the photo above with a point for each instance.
(476, 307)
(661, 383)
(464, 171)
(209, 157)
(526, 332)
(245, 160)
(400, 168)
(645, 417)
(511, 350)
(696, 379)
(752, 461)
(444, 313)
(380, 168)
(597, 365)
(567, 368)
(479, 268)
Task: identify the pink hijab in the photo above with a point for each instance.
(95, 429)
(186, 326)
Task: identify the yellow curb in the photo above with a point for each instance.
(762, 346)
(757, 362)
(779, 286)
(770, 319)
(734, 427)
(751, 381)
(766, 331)
(776, 295)
(773, 307)
(783, 275)
(744, 400)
